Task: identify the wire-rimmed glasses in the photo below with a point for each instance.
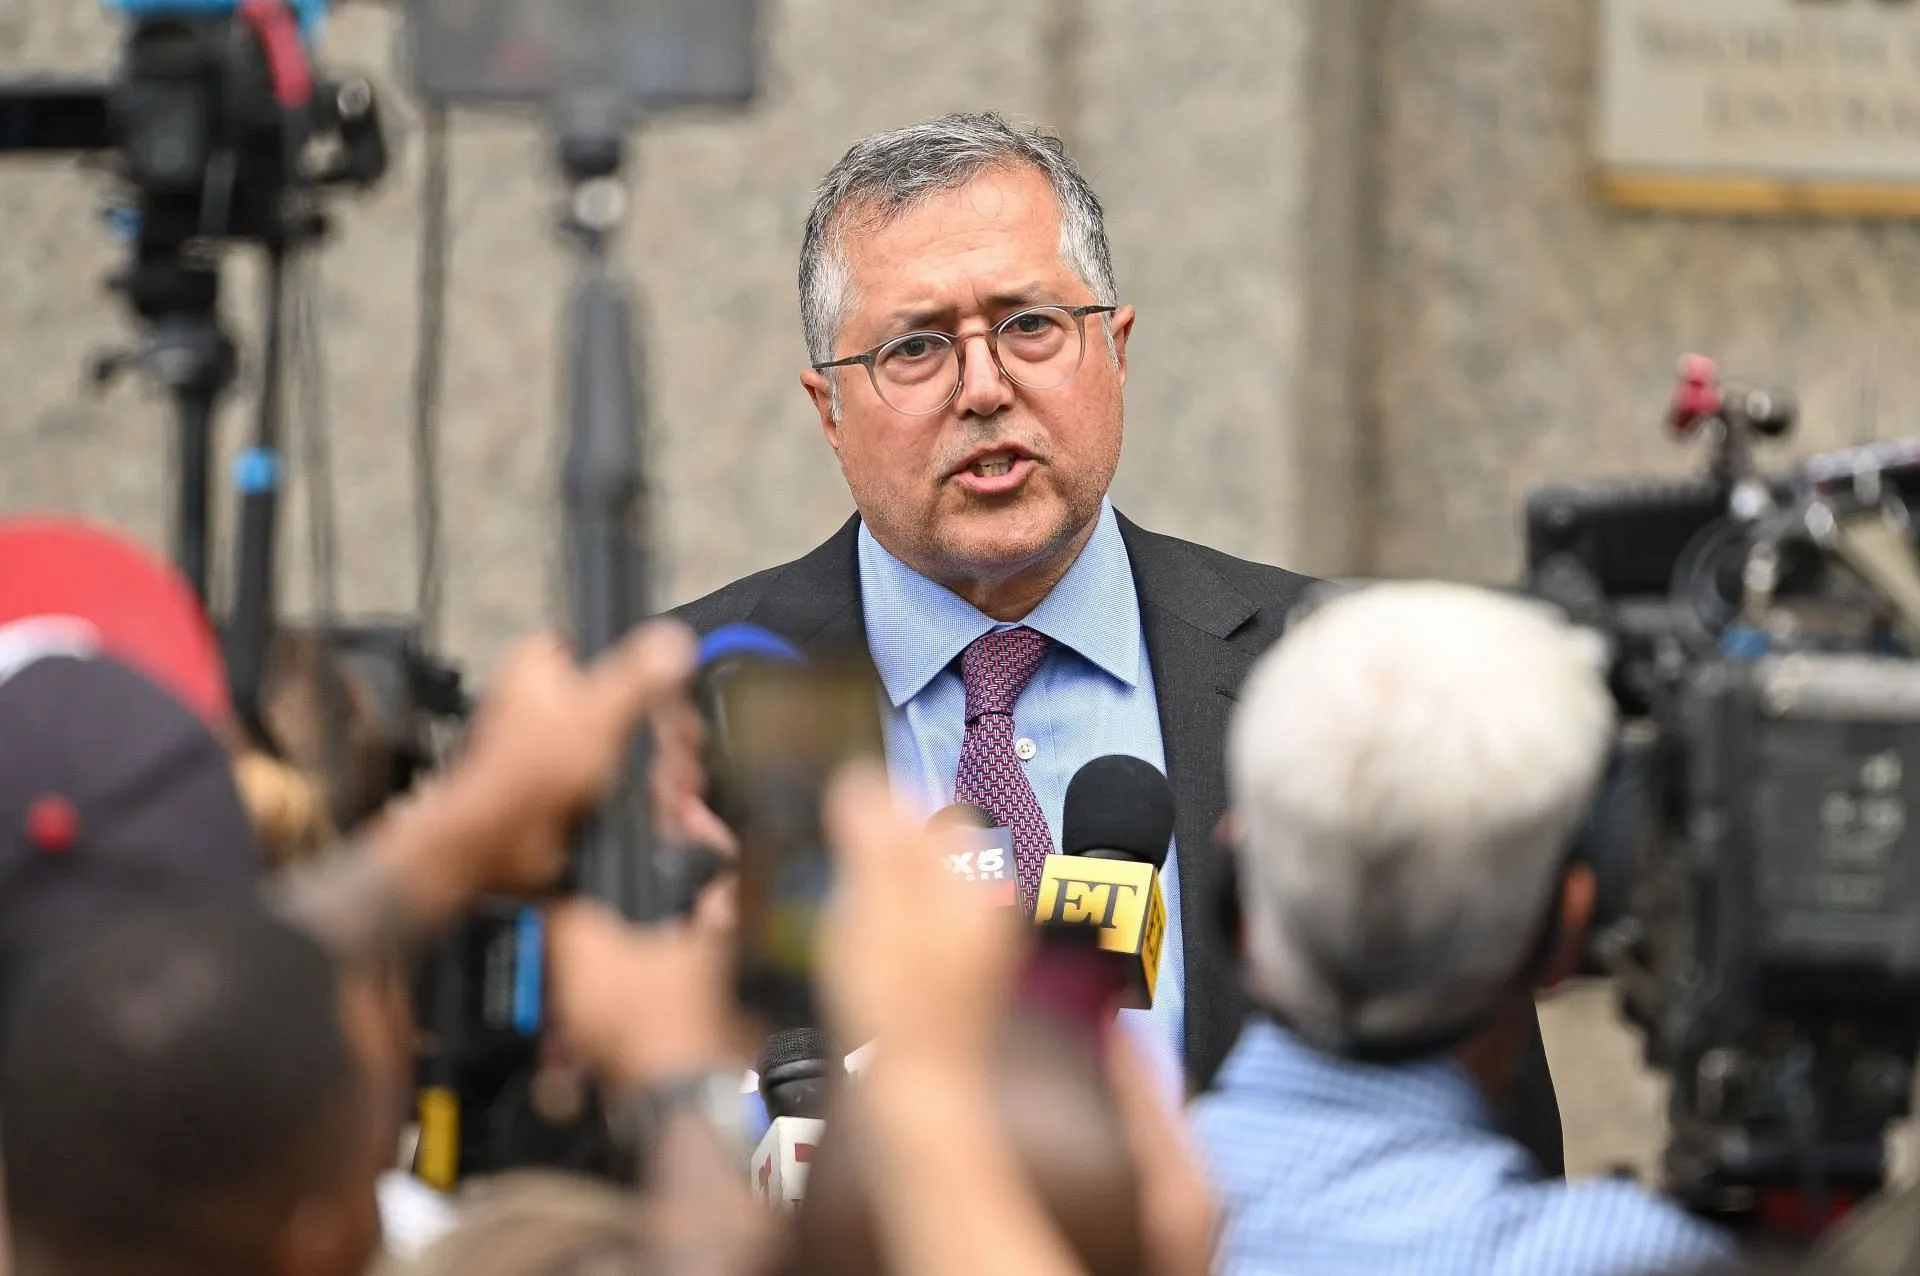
(920, 373)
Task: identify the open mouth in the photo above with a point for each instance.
(996, 473)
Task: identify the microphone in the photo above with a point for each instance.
(794, 1080)
(794, 1074)
(963, 815)
(985, 856)
(1115, 830)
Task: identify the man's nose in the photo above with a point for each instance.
(984, 390)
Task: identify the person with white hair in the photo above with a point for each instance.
(1408, 770)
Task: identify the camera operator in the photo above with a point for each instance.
(1408, 770)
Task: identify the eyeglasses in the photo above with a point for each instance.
(920, 373)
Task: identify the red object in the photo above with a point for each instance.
(1698, 395)
(1786, 1210)
(279, 32)
(803, 1153)
(52, 824)
(144, 611)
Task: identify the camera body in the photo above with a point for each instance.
(1754, 849)
(213, 114)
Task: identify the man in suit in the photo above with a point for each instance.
(969, 352)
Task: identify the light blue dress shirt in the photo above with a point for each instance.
(1329, 1167)
(1093, 695)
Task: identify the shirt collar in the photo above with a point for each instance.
(915, 627)
(1271, 1063)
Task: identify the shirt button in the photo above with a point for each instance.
(1025, 749)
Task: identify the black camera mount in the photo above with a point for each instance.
(221, 133)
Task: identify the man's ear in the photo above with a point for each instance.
(820, 390)
(1576, 912)
(1120, 323)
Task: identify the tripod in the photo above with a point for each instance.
(603, 486)
(174, 287)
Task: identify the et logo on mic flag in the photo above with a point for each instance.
(1120, 897)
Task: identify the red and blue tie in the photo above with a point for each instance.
(996, 668)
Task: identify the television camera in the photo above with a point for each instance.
(223, 132)
(1757, 866)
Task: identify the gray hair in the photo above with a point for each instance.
(885, 175)
(1409, 768)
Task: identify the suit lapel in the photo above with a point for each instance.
(1190, 615)
(816, 602)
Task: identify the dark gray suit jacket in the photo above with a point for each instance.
(1207, 617)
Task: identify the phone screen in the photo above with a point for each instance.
(780, 732)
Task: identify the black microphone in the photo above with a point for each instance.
(963, 815)
(795, 1074)
(1118, 808)
(795, 1077)
(1115, 830)
(983, 854)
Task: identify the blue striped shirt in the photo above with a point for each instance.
(1093, 695)
(1328, 1167)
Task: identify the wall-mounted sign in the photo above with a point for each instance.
(1760, 105)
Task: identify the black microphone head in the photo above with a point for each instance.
(793, 1045)
(794, 1073)
(963, 815)
(1118, 807)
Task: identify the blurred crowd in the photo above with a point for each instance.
(209, 1048)
(208, 1063)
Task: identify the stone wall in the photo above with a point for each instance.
(1193, 121)
(1378, 299)
(1520, 330)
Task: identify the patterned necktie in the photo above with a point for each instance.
(996, 668)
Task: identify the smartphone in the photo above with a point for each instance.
(777, 733)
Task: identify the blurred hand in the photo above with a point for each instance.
(551, 737)
(677, 781)
(716, 912)
(1178, 1212)
(908, 955)
(638, 1004)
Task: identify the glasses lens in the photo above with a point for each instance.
(917, 373)
(1040, 348)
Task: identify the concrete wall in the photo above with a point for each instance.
(1194, 121)
(1378, 300)
(1519, 330)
